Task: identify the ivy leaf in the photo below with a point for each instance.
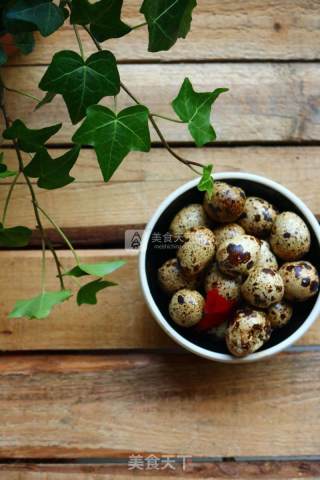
(4, 172)
(30, 140)
(167, 21)
(88, 293)
(95, 269)
(24, 41)
(29, 15)
(49, 96)
(3, 56)
(104, 18)
(206, 182)
(113, 135)
(14, 236)
(40, 306)
(81, 83)
(52, 173)
(194, 108)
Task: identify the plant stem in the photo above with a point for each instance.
(34, 200)
(5, 209)
(139, 25)
(62, 234)
(115, 104)
(166, 118)
(76, 31)
(21, 92)
(189, 163)
(43, 266)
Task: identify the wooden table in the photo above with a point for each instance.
(85, 389)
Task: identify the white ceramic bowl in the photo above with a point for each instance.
(148, 264)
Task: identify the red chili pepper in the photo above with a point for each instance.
(217, 310)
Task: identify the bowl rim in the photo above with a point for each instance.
(177, 337)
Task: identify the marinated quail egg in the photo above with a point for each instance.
(186, 307)
(257, 217)
(279, 314)
(227, 287)
(301, 280)
(266, 259)
(171, 279)
(197, 250)
(263, 287)
(290, 236)
(238, 255)
(247, 332)
(226, 232)
(191, 216)
(226, 203)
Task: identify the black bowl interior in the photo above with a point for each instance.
(158, 251)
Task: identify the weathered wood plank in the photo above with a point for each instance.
(115, 405)
(144, 180)
(244, 470)
(120, 319)
(257, 107)
(220, 30)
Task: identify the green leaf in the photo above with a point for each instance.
(14, 236)
(81, 83)
(88, 293)
(167, 21)
(113, 135)
(52, 173)
(194, 108)
(206, 182)
(49, 96)
(40, 306)
(30, 140)
(3, 56)
(24, 41)
(29, 15)
(104, 18)
(95, 269)
(4, 172)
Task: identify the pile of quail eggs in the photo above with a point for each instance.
(251, 254)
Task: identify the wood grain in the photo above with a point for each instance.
(243, 470)
(266, 102)
(220, 30)
(116, 405)
(120, 319)
(96, 213)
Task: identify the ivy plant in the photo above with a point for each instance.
(83, 81)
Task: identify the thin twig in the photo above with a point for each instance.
(75, 28)
(139, 25)
(33, 199)
(21, 92)
(62, 234)
(6, 205)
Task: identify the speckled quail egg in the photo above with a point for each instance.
(263, 287)
(247, 332)
(238, 255)
(279, 314)
(290, 236)
(171, 278)
(228, 287)
(257, 217)
(218, 332)
(186, 307)
(188, 217)
(301, 280)
(266, 258)
(226, 232)
(226, 204)
(197, 250)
